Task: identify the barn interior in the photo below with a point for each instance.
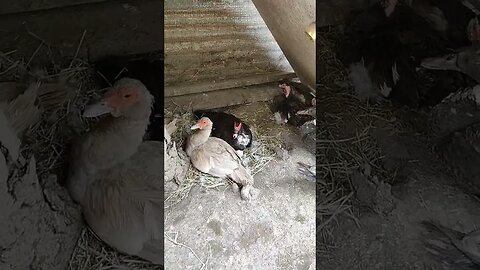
(396, 186)
(58, 56)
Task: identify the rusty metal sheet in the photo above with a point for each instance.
(215, 41)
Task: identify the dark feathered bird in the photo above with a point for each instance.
(295, 97)
(228, 128)
(391, 48)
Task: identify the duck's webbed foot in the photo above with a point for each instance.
(389, 6)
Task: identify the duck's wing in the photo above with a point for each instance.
(125, 207)
(219, 158)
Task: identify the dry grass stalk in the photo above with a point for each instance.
(344, 142)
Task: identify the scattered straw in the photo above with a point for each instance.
(344, 141)
(91, 254)
(174, 241)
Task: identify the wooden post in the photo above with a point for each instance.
(288, 21)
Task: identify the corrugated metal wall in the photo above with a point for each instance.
(217, 40)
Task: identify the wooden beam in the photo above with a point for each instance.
(223, 98)
(288, 21)
(204, 87)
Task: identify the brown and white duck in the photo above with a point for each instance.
(299, 93)
(216, 157)
(296, 105)
(116, 178)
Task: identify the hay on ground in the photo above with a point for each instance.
(254, 159)
(344, 141)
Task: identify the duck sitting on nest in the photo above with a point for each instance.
(216, 157)
(116, 178)
(229, 128)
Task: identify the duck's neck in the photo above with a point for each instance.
(131, 130)
(198, 138)
(120, 137)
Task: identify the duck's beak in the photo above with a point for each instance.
(196, 126)
(97, 109)
(448, 62)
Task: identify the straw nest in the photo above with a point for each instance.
(344, 143)
(254, 158)
(64, 91)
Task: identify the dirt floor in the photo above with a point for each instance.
(386, 178)
(215, 229)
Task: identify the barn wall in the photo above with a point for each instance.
(216, 45)
(16, 6)
(111, 28)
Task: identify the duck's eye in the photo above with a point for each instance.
(127, 95)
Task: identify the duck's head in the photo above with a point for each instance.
(285, 88)
(203, 123)
(128, 98)
(241, 135)
(466, 60)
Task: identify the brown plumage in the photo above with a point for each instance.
(216, 157)
(117, 179)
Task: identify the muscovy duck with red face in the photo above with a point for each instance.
(294, 105)
(228, 128)
(147, 68)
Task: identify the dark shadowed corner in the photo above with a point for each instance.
(397, 135)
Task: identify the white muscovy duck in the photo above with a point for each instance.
(116, 178)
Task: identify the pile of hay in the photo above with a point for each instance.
(254, 158)
(67, 87)
(344, 142)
